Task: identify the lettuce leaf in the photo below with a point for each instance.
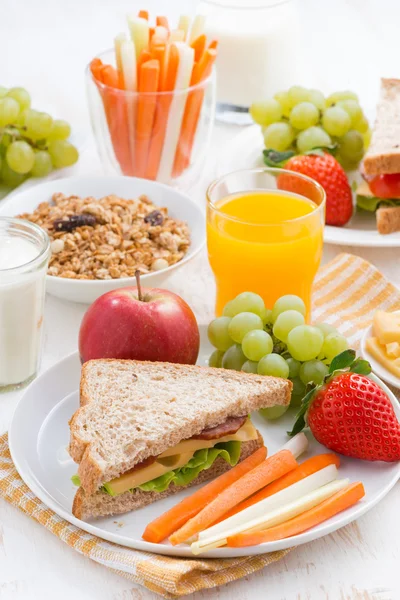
(371, 203)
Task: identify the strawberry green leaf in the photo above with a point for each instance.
(300, 422)
(321, 150)
(273, 158)
(342, 361)
(360, 366)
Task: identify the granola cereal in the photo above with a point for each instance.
(109, 238)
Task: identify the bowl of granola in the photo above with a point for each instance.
(102, 229)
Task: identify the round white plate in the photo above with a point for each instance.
(245, 151)
(39, 434)
(178, 204)
(377, 368)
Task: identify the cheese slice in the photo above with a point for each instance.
(379, 353)
(387, 326)
(393, 350)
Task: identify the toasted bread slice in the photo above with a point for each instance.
(388, 219)
(101, 504)
(140, 409)
(383, 155)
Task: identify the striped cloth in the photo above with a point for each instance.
(347, 292)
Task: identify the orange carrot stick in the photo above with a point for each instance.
(310, 518)
(161, 118)
(144, 56)
(199, 45)
(306, 468)
(275, 466)
(213, 45)
(151, 33)
(146, 107)
(173, 519)
(201, 71)
(143, 14)
(95, 67)
(162, 22)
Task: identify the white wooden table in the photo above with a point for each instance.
(44, 46)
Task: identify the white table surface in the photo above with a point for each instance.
(44, 46)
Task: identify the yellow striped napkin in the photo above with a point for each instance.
(347, 292)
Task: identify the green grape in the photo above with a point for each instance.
(338, 96)
(362, 125)
(245, 302)
(294, 367)
(352, 108)
(3, 91)
(273, 364)
(334, 344)
(313, 137)
(61, 130)
(20, 121)
(313, 371)
(267, 112)
(284, 101)
(367, 138)
(63, 153)
(20, 157)
(38, 124)
(257, 344)
(336, 121)
(10, 177)
(298, 392)
(317, 98)
(250, 367)
(218, 333)
(21, 96)
(304, 115)
(9, 111)
(298, 94)
(325, 328)
(305, 342)
(215, 359)
(273, 412)
(243, 323)
(285, 322)
(288, 302)
(266, 315)
(278, 136)
(234, 358)
(42, 165)
(352, 146)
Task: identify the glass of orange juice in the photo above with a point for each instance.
(264, 234)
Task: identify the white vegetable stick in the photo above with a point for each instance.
(161, 33)
(197, 27)
(177, 35)
(186, 58)
(139, 30)
(297, 445)
(184, 24)
(289, 494)
(129, 71)
(117, 47)
(274, 517)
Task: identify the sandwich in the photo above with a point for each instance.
(380, 190)
(146, 430)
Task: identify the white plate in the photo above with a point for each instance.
(377, 368)
(245, 151)
(179, 206)
(39, 434)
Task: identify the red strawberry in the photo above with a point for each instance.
(352, 415)
(325, 169)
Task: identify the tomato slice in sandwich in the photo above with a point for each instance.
(385, 186)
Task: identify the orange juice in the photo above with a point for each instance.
(268, 242)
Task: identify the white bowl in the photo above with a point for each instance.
(179, 206)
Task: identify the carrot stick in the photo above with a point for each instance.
(96, 69)
(143, 14)
(161, 118)
(173, 519)
(275, 466)
(201, 71)
(213, 45)
(310, 518)
(199, 45)
(144, 56)
(163, 22)
(146, 107)
(306, 468)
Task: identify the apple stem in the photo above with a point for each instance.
(139, 287)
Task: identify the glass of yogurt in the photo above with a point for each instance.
(24, 256)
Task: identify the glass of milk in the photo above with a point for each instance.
(24, 255)
(259, 51)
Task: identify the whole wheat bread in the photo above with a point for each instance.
(132, 410)
(383, 155)
(101, 504)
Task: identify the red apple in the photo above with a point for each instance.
(141, 324)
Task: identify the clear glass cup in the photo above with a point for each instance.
(260, 52)
(24, 256)
(169, 146)
(264, 234)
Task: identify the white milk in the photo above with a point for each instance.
(21, 306)
(259, 51)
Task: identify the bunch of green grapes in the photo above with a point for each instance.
(301, 119)
(31, 142)
(251, 338)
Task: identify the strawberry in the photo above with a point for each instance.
(325, 169)
(350, 414)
